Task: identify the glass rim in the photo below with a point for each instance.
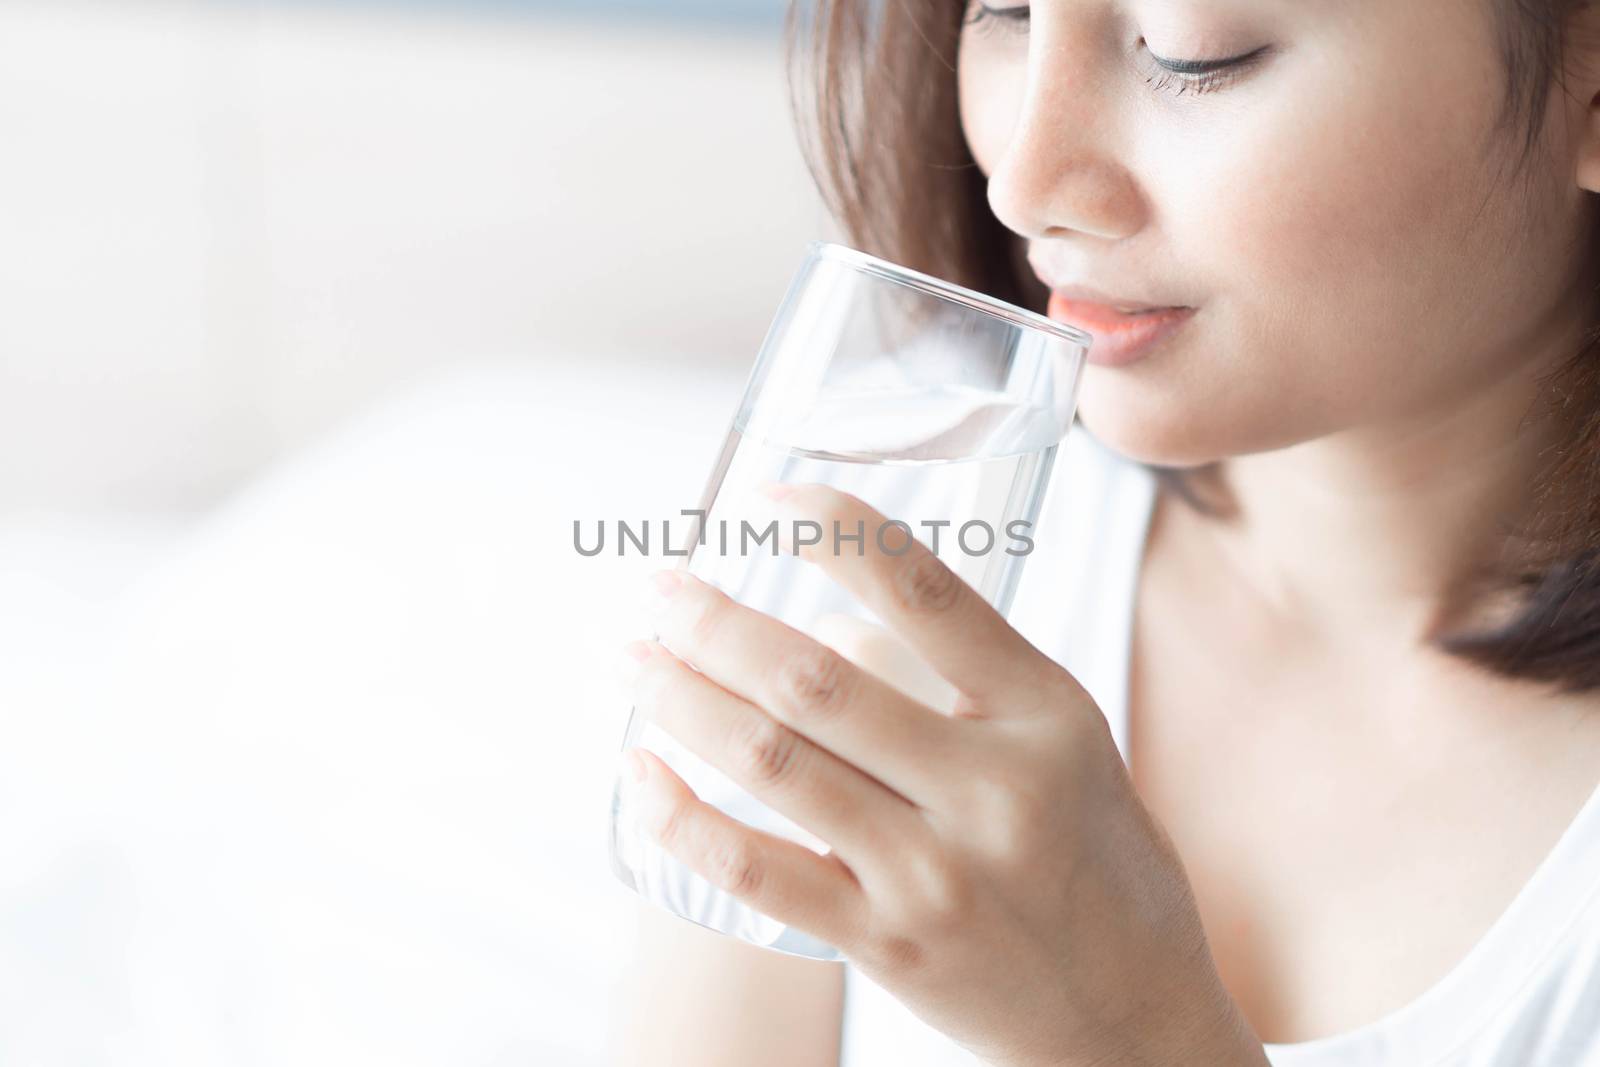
(971, 298)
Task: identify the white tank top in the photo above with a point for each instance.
(1526, 995)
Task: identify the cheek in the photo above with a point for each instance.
(1337, 248)
(989, 92)
(1361, 223)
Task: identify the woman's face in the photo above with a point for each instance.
(1331, 208)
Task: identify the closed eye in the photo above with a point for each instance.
(1017, 14)
(1196, 76)
(1205, 66)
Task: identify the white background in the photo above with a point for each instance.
(317, 330)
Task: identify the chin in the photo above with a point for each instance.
(1159, 439)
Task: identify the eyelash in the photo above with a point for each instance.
(1194, 76)
(978, 12)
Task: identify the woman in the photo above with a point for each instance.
(1340, 259)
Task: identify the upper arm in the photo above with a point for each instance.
(694, 998)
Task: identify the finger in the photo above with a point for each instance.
(880, 651)
(865, 821)
(781, 879)
(809, 687)
(955, 630)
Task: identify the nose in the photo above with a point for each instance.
(1060, 174)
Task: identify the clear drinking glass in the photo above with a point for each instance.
(938, 406)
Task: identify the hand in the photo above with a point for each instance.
(993, 868)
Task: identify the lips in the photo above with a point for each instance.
(1123, 332)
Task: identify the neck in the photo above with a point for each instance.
(1372, 532)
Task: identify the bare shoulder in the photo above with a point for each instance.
(694, 997)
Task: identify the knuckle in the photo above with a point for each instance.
(709, 613)
(1019, 819)
(1017, 813)
(734, 868)
(667, 822)
(942, 894)
(765, 750)
(813, 683)
(925, 584)
(657, 683)
(895, 952)
(1016, 793)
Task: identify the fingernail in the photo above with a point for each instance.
(775, 490)
(629, 776)
(634, 653)
(659, 590)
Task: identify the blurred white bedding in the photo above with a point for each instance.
(340, 793)
(305, 740)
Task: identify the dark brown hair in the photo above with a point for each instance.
(873, 86)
